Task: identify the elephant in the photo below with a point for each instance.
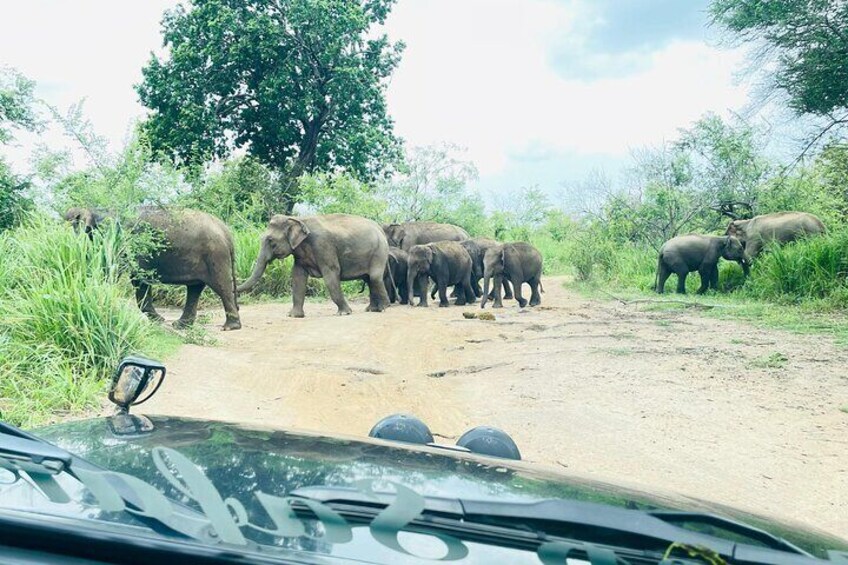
(335, 247)
(448, 264)
(397, 267)
(409, 234)
(518, 262)
(686, 253)
(781, 227)
(476, 249)
(196, 250)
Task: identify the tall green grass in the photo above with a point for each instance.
(67, 317)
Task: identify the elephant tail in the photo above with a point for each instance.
(541, 288)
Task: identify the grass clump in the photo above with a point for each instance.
(67, 317)
(775, 360)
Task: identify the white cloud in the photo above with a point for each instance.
(478, 73)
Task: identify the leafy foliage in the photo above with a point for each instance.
(299, 84)
(807, 38)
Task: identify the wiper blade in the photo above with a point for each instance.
(586, 516)
(41, 460)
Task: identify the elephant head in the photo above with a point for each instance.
(84, 219)
(283, 236)
(394, 234)
(733, 250)
(493, 266)
(419, 261)
(738, 228)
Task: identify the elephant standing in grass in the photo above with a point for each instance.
(409, 234)
(686, 253)
(335, 247)
(517, 262)
(781, 227)
(448, 264)
(193, 249)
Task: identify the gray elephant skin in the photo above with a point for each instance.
(518, 263)
(409, 234)
(448, 264)
(196, 251)
(781, 227)
(688, 253)
(476, 248)
(335, 247)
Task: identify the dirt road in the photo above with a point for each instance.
(713, 409)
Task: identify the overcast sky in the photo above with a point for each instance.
(538, 91)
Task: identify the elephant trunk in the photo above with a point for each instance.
(485, 298)
(262, 261)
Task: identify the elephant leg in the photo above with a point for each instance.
(390, 290)
(499, 282)
(706, 274)
(746, 268)
(299, 277)
(443, 295)
(508, 292)
(223, 287)
(465, 292)
(714, 277)
(145, 301)
(332, 280)
(378, 295)
(681, 282)
(535, 296)
(193, 292)
(516, 290)
(423, 285)
(661, 278)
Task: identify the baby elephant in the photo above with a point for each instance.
(518, 263)
(448, 264)
(687, 253)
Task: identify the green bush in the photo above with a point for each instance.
(67, 317)
(814, 268)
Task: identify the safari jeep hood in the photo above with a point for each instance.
(241, 461)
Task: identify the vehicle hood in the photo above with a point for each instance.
(241, 461)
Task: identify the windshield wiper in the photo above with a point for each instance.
(586, 521)
(42, 461)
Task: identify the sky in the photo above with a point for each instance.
(538, 92)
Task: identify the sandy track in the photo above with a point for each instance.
(659, 399)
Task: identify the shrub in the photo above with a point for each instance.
(66, 318)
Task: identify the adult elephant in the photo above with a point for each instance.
(517, 262)
(448, 264)
(781, 227)
(687, 253)
(192, 248)
(409, 234)
(335, 247)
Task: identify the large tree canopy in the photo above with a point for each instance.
(809, 39)
(299, 84)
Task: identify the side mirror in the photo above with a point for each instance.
(136, 381)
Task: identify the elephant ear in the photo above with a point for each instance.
(296, 232)
(396, 233)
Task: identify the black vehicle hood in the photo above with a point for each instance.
(241, 461)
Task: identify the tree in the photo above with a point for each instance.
(298, 84)
(433, 185)
(17, 112)
(807, 40)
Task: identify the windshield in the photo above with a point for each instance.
(603, 240)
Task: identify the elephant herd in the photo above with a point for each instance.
(742, 242)
(396, 261)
